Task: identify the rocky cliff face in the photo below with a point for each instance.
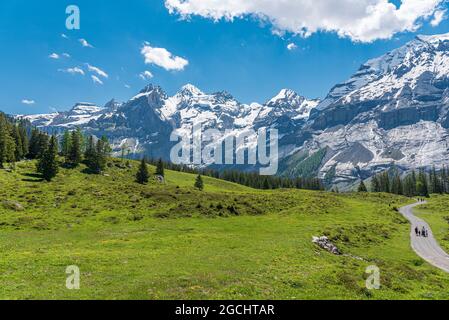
(394, 110)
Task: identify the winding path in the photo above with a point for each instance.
(427, 248)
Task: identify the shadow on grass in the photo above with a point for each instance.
(32, 177)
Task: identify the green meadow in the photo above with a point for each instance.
(171, 241)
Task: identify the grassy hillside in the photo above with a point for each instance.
(172, 242)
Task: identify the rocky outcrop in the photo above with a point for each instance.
(326, 244)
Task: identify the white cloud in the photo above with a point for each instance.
(57, 56)
(438, 17)
(85, 44)
(96, 80)
(28, 102)
(163, 58)
(97, 70)
(146, 75)
(359, 20)
(73, 71)
(292, 46)
(54, 56)
(127, 86)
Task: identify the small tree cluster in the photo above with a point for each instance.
(14, 142)
(414, 184)
(48, 164)
(96, 154)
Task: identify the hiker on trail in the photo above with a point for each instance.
(423, 232)
(417, 231)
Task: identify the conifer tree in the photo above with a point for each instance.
(199, 184)
(143, 175)
(24, 138)
(362, 187)
(75, 153)
(100, 158)
(160, 171)
(422, 186)
(66, 143)
(90, 153)
(34, 146)
(48, 164)
(18, 153)
(7, 143)
(396, 187)
(375, 184)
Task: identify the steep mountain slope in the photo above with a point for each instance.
(393, 111)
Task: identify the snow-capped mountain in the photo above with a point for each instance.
(393, 111)
(80, 115)
(145, 122)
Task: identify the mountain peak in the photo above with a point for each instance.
(287, 97)
(85, 108)
(151, 88)
(191, 90)
(151, 91)
(285, 94)
(434, 39)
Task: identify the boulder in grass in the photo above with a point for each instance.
(12, 205)
(326, 244)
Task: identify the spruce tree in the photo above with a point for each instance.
(444, 180)
(362, 187)
(199, 184)
(66, 143)
(422, 186)
(375, 184)
(48, 164)
(100, 158)
(90, 153)
(385, 182)
(160, 171)
(34, 144)
(396, 186)
(18, 153)
(143, 175)
(7, 143)
(24, 138)
(75, 153)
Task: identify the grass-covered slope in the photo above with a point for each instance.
(172, 242)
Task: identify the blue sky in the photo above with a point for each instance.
(243, 57)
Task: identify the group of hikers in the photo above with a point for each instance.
(421, 233)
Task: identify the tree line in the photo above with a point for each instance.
(249, 179)
(420, 183)
(18, 141)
